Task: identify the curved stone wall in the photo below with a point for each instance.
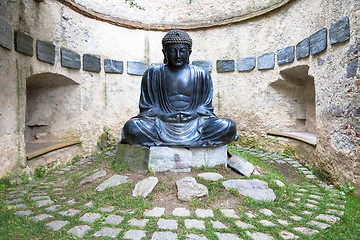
(247, 60)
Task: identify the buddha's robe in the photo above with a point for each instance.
(205, 130)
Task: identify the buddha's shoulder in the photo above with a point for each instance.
(199, 69)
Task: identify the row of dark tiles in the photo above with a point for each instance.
(45, 51)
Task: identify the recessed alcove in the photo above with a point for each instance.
(52, 101)
(297, 89)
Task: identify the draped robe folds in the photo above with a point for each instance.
(149, 130)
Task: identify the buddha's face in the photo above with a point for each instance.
(177, 55)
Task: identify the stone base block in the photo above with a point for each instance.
(160, 159)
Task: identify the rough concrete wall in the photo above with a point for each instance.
(247, 97)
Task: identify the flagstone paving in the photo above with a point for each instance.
(47, 202)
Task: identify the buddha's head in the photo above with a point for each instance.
(177, 46)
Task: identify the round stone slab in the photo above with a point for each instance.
(255, 188)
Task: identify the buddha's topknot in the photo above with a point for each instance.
(176, 36)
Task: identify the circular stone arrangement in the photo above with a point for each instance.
(306, 209)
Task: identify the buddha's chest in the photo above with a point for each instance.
(179, 83)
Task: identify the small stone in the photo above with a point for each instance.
(279, 183)
(256, 189)
(189, 189)
(194, 223)
(17, 206)
(250, 214)
(306, 213)
(209, 176)
(230, 213)
(218, 225)
(351, 68)
(41, 217)
(266, 212)
(246, 64)
(243, 225)
(90, 217)
(241, 165)
(145, 187)
(91, 63)
(267, 223)
(24, 43)
(113, 66)
(309, 205)
(108, 232)
(170, 224)
(24, 213)
(114, 181)
(312, 201)
(5, 35)
(93, 177)
(318, 41)
(195, 237)
(266, 61)
(285, 55)
(315, 197)
(89, 204)
(79, 231)
(136, 68)
(43, 203)
(306, 231)
(107, 209)
(337, 212)
(134, 234)
(138, 222)
(288, 235)
(14, 201)
(203, 64)
(69, 212)
(336, 205)
(181, 212)
(45, 51)
(204, 213)
(259, 236)
(328, 218)
(57, 225)
(225, 66)
(113, 219)
(71, 202)
(340, 31)
(283, 222)
(164, 235)
(53, 208)
(296, 218)
(70, 59)
(155, 212)
(318, 224)
(227, 236)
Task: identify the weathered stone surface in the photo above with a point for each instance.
(69, 212)
(259, 236)
(108, 232)
(204, 213)
(266, 61)
(227, 236)
(245, 64)
(318, 41)
(135, 157)
(218, 225)
(164, 235)
(41, 217)
(285, 55)
(145, 187)
(334, 211)
(256, 189)
(93, 177)
(188, 189)
(243, 225)
(40, 198)
(79, 231)
(138, 222)
(57, 224)
(170, 224)
(16, 200)
(17, 206)
(91, 63)
(279, 183)
(134, 234)
(318, 224)
(44, 203)
(24, 43)
(320, 61)
(208, 157)
(195, 237)
(306, 231)
(266, 223)
(266, 212)
(204, 64)
(303, 48)
(113, 66)
(230, 213)
(352, 67)
(45, 51)
(113, 219)
(136, 68)
(107, 209)
(328, 218)
(23, 213)
(210, 176)
(155, 212)
(162, 159)
(339, 31)
(90, 217)
(181, 212)
(225, 66)
(288, 235)
(114, 181)
(194, 223)
(5, 35)
(70, 59)
(241, 165)
(53, 208)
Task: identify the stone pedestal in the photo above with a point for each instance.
(160, 159)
